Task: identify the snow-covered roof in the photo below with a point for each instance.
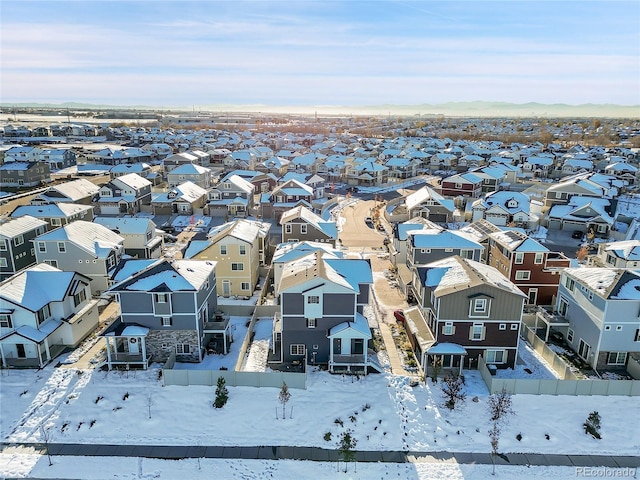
(187, 191)
(360, 325)
(92, 237)
(328, 228)
(181, 275)
(607, 282)
(74, 190)
(441, 239)
(20, 225)
(242, 229)
(189, 169)
(517, 241)
(427, 193)
(51, 210)
(290, 251)
(126, 225)
(628, 249)
(132, 180)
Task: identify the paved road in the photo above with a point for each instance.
(316, 454)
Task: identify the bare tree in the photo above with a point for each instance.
(500, 408)
(283, 397)
(453, 389)
(149, 402)
(45, 438)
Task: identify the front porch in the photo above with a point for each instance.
(126, 346)
(217, 334)
(28, 347)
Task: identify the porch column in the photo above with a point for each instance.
(4, 360)
(107, 340)
(144, 351)
(46, 348)
(330, 354)
(224, 339)
(461, 362)
(39, 353)
(366, 368)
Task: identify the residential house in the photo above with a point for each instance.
(624, 254)
(531, 266)
(239, 249)
(321, 317)
(463, 184)
(367, 173)
(231, 197)
(55, 214)
(43, 311)
(400, 236)
(23, 174)
(185, 199)
(300, 224)
(427, 203)
(429, 245)
(76, 191)
(166, 309)
(583, 184)
(275, 165)
(141, 237)
(56, 158)
(124, 194)
(84, 247)
(402, 168)
(538, 166)
(597, 313)
(16, 248)
(507, 208)
(142, 169)
(284, 197)
(480, 231)
(591, 215)
(470, 305)
(189, 172)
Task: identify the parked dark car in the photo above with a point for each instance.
(352, 189)
(577, 234)
(369, 222)
(399, 314)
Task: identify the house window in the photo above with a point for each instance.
(296, 349)
(79, 297)
(303, 229)
(223, 249)
(166, 321)
(569, 283)
(468, 254)
(53, 263)
(242, 249)
(161, 297)
(244, 286)
(523, 275)
(56, 222)
(425, 250)
(617, 358)
(477, 331)
(62, 248)
(237, 267)
(495, 356)
(637, 336)
(514, 326)
(42, 247)
(503, 326)
(570, 335)
(563, 306)
(315, 299)
(5, 321)
(519, 257)
(43, 314)
(607, 328)
(448, 328)
(479, 307)
(3, 262)
(311, 323)
(448, 250)
(19, 240)
(226, 186)
(539, 258)
(590, 295)
(3, 245)
(288, 228)
(618, 328)
(183, 349)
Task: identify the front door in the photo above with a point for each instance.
(533, 296)
(21, 351)
(226, 288)
(583, 350)
(337, 346)
(134, 346)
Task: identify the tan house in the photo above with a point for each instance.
(239, 248)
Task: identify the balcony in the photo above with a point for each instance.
(550, 318)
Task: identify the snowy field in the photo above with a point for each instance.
(383, 411)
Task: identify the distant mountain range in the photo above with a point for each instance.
(464, 109)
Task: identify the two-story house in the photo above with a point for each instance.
(239, 249)
(284, 197)
(55, 214)
(124, 194)
(84, 247)
(44, 310)
(16, 248)
(467, 303)
(24, 174)
(624, 254)
(463, 184)
(189, 172)
(185, 199)
(592, 215)
(531, 266)
(141, 237)
(428, 245)
(583, 184)
(507, 208)
(427, 203)
(300, 224)
(166, 308)
(597, 310)
(321, 317)
(232, 197)
(76, 191)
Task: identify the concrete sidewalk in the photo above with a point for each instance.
(316, 454)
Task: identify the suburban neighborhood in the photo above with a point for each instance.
(389, 256)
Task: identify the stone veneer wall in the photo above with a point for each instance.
(162, 343)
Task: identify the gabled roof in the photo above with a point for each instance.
(40, 285)
(503, 198)
(455, 274)
(242, 229)
(610, 283)
(416, 223)
(628, 250)
(74, 190)
(132, 180)
(19, 226)
(238, 182)
(328, 228)
(162, 276)
(187, 191)
(441, 239)
(189, 169)
(359, 325)
(578, 205)
(517, 241)
(126, 226)
(91, 237)
(290, 251)
(51, 210)
(130, 167)
(427, 193)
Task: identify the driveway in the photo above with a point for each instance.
(561, 241)
(355, 232)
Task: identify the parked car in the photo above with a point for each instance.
(399, 314)
(577, 234)
(369, 222)
(352, 189)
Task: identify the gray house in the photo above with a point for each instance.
(56, 214)
(141, 238)
(321, 317)
(300, 224)
(83, 247)
(23, 174)
(166, 308)
(428, 245)
(16, 247)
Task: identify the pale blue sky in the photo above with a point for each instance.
(319, 53)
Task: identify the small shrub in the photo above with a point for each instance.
(98, 398)
(125, 396)
(115, 409)
(352, 418)
(24, 392)
(519, 437)
(366, 407)
(79, 425)
(92, 423)
(592, 425)
(222, 394)
(327, 437)
(339, 421)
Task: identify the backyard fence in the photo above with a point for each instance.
(234, 379)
